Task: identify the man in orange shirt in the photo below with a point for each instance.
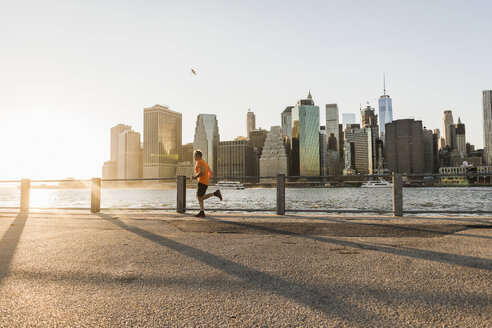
(203, 174)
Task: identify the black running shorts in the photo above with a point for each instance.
(202, 188)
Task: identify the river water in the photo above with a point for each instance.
(444, 199)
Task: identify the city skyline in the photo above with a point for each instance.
(63, 86)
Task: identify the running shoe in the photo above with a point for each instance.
(217, 193)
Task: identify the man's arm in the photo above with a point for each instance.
(200, 173)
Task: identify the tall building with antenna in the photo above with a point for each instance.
(385, 110)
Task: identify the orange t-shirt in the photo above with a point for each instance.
(205, 178)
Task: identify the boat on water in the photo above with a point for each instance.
(230, 185)
(380, 183)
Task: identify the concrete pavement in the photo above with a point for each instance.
(148, 269)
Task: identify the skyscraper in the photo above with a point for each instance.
(447, 126)
(286, 117)
(332, 147)
(115, 132)
(404, 146)
(332, 122)
(207, 138)
(273, 159)
(236, 159)
(305, 128)
(362, 148)
(129, 160)
(162, 142)
(250, 122)
(385, 110)
(369, 117)
(370, 120)
(428, 149)
(487, 126)
(460, 138)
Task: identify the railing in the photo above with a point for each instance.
(395, 194)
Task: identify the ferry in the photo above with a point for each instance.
(380, 183)
(230, 185)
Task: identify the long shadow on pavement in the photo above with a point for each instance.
(291, 290)
(455, 259)
(9, 242)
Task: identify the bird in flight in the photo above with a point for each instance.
(193, 71)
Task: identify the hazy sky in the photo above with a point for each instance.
(70, 70)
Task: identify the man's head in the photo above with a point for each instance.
(197, 154)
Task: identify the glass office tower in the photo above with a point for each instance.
(385, 110)
(305, 128)
(385, 113)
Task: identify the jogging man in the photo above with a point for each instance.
(203, 174)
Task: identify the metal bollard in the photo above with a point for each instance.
(24, 199)
(96, 195)
(280, 194)
(181, 197)
(397, 194)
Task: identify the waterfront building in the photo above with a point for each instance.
(362, 144)
(447, 127)
(348, 118)
(286, 119)
(485, 174)
(487, 126)
(460, 138)
(109, 170)
(162, 142)
(129, 161)
(236, 159)
(404, 146)
(459, 177)
(305, 129)
(250, 122)
(274, 158)
(207, 138)
(385, 110)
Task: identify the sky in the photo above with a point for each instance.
(70, 70)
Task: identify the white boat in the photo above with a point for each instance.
(380, 183)
(230, 185)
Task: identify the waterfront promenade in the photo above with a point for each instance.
(151, 269)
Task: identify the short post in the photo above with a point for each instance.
(24, 199)
(280, 194)
(96, 195)
(397, 194)
(181, 197)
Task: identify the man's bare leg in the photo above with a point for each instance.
(201, 199)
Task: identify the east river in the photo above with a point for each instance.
(360, 199)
